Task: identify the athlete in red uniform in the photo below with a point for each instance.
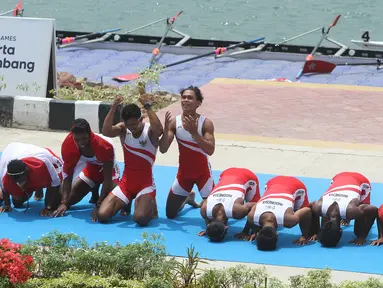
(347, 198)
(379, 222)
(139, 142)
(98, 155)
(284, 204)
(227, 200)
(195, 137)
(26, 168)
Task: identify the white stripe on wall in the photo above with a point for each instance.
(89, 111)
(31, 112)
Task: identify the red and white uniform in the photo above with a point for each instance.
(89, 169)
(344, 188)
(281, 193)
(44, 169)
(234, 183)
(194, 165)
(139, 157)
(380, 212)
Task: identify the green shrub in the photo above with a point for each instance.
(66, 260)
(133, 261)
(69, 252)
(54, 253)
(239, 276)
(371, 283)
(80, 280)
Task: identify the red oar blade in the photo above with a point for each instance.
(318, 66)
(127, 77)
(18, 8)
(335, 21)
(173, 19)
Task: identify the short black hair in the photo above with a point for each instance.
(216, 231)
(130, 111)
(80, 125)
(16, 168)
(330, 234)
(197, 91)
(267, 239)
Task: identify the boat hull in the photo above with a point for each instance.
(268, 51)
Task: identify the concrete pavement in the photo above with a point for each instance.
(263, 155)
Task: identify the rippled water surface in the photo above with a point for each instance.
(216, 19)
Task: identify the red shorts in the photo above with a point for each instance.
(93, 174)
(133, 184)
(380, 213)
(183, 184)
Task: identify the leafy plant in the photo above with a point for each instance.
(184, 274)
(130, 92)
(14, 267)
(3, 85)
(26, 87)
(69, 252)
(66, 260)
(74, 279)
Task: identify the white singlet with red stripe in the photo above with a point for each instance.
(343, 195)
(193, 161)
(139, 157)
(225, 196)
(277, 206)
(139, 153)
(282, 193)
(18, 150)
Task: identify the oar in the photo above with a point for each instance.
(18, 10)
(169, 25)
(324, 35)
(323, 67)
(217, 51)
(68, 40)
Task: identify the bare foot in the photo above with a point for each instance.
(191, 200)
(39, 195)
(345, 222)
(126, 210)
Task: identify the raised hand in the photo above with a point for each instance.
(117, 101)
(168, 119)
(190, 124)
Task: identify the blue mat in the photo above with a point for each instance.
(95, 64)
(182, 232)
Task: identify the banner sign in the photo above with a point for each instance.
(27, 49)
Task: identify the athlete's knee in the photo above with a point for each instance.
(103, 217)
(171, 213)
(142, 219)
(104, 214)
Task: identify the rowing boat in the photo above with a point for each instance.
(340, 55)
(260, 50)
(373, 45)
